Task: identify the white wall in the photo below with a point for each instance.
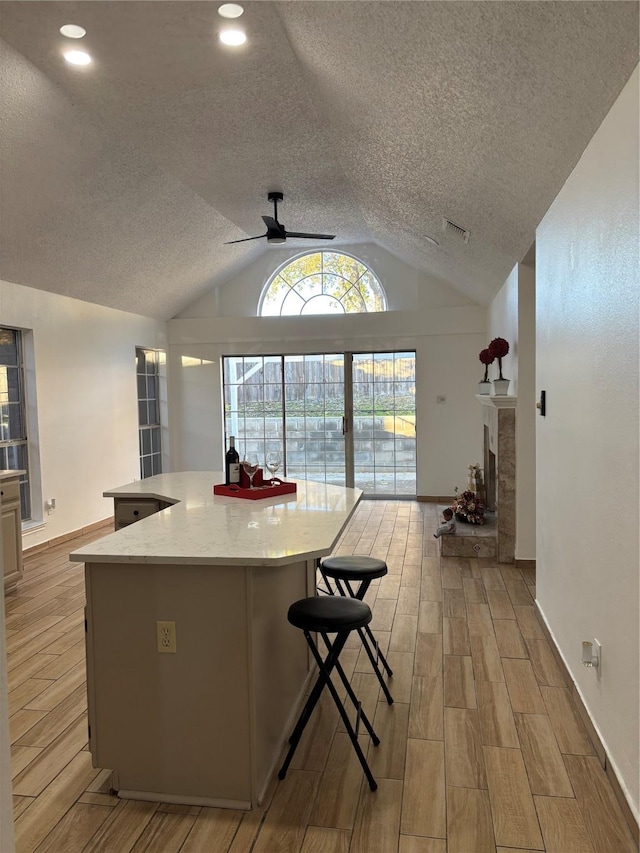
(407, 289)
(503, 323)
(446, 329)
(446, 340)
(587, 285)
(85, 382)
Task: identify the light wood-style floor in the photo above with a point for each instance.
(482, 750)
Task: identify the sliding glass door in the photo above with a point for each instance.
(341, 418)
(384, 422)
(314, 413)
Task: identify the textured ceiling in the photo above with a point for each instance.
(120, 182)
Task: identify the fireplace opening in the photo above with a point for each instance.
(489, 473)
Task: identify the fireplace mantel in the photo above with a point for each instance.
(501, 402)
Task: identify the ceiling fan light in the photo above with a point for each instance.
(230, 10)
(233, 38)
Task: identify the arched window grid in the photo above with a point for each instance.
(291, 290)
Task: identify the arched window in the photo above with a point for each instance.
(322, 283)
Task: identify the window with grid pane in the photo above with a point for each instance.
(14, 446)
(322, 283)
(149, 429)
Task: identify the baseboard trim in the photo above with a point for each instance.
(58, 540)
(525, 564)
(599, 747)
(435, 499)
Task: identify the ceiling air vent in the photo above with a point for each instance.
(450, 227)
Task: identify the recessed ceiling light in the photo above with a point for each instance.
(233, 37)
(77, 57)
(431, 240)
(230, 10)
(73, 31)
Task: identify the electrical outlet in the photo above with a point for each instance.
(166, 637)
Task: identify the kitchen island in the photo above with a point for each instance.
(204, 724)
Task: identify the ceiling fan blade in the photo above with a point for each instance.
(310, 236)
(244, 239)
(276, 232)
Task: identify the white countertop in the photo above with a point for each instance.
(206, 529)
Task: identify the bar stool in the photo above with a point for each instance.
(361, 570)
(327, 616)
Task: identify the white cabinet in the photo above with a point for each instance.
(11, 527)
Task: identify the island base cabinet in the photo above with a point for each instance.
(204, 725)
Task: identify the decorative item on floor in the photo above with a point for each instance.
(468, 507)
(484, 386)
(498, 349)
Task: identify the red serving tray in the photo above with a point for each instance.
(264, 491)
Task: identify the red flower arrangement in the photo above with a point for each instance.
(486, 358)
(498, 349)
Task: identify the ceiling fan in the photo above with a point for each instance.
(276, 232)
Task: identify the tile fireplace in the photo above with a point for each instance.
(499, 421)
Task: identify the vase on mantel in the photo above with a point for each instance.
(501, 387)
(484, 387)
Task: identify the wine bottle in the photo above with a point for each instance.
(232, 464)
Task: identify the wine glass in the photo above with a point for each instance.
(272, 463)
(250, 464)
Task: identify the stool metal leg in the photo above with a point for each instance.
(329, 588)
(374, 664)
(329, 664)
(354, 699)
(324, 678)
(334, 650)
(360, 594)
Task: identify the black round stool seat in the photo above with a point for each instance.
(354, 568)
(329, 614)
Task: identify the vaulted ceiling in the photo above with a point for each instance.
(121, 181)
